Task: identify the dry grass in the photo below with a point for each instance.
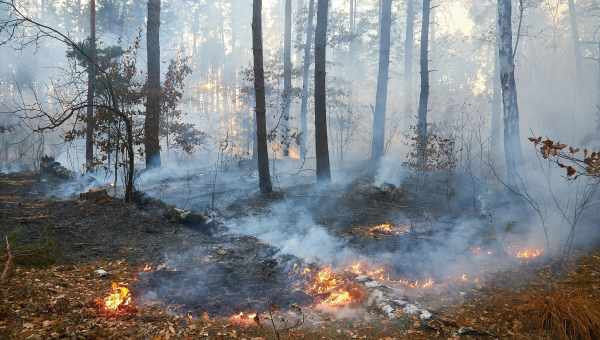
(565, 316)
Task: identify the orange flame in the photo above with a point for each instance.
(528, 253)
(337, 289)
(339, 298)
(244, 319)
(118, 298)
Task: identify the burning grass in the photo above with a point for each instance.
(333, 289)
(528, 253)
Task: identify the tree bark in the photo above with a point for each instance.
(409, 43)
(496, 122)
(259, 87)
(576, 43)
(424, 95)
(377, 147)
(321, 142)
(90, 121)
(287, 77)
(512, 139)
(305, 80)
(152, 122)
(598, 83)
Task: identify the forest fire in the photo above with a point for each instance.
(118, 300)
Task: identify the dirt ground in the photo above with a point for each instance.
(60, 244)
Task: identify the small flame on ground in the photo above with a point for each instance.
(337, 289)
(529, 253)
(244, 319)
(388, 229)
(119, 297)
(381, 274)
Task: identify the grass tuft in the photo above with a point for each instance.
(566, 316)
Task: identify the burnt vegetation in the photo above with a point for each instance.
(299, 169)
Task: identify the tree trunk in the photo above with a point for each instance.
(496, 123)
(259, 88)
(598, 83)
(353, 42)
(305, 80)
(287, 77)
(385, 15)
(90, 121)
(152, 122)
(409, 43)
(576, 43)
(321, 143)
(424, 96)
(512, 141)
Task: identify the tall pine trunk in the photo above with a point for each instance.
(385, 19)
(598, 83)
(90, 121)
(261, 112)
(321, 142)
(287, 77)
(496, 105)
(512, 139)
(305, 79)
(152, 122)
(409, 44)
(424, 95)
(576, 43)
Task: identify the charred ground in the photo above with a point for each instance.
(59, 244)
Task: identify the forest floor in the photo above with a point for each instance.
(60, 244)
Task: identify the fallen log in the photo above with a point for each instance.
(8, 264)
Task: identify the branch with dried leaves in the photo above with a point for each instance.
(575, 161)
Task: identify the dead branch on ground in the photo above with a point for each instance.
(8, 264)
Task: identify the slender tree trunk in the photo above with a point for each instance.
(321, 143)
(424, 96)
(598, 84)
(385, 15)
(152, 122)
(305, 79)
(353, 44)
(576, 43)
(129, 187)
(409, 44)
(287, 77)
(352, 15)
(259, 88)
(512, 139)
(90, 121)
(496, 123)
